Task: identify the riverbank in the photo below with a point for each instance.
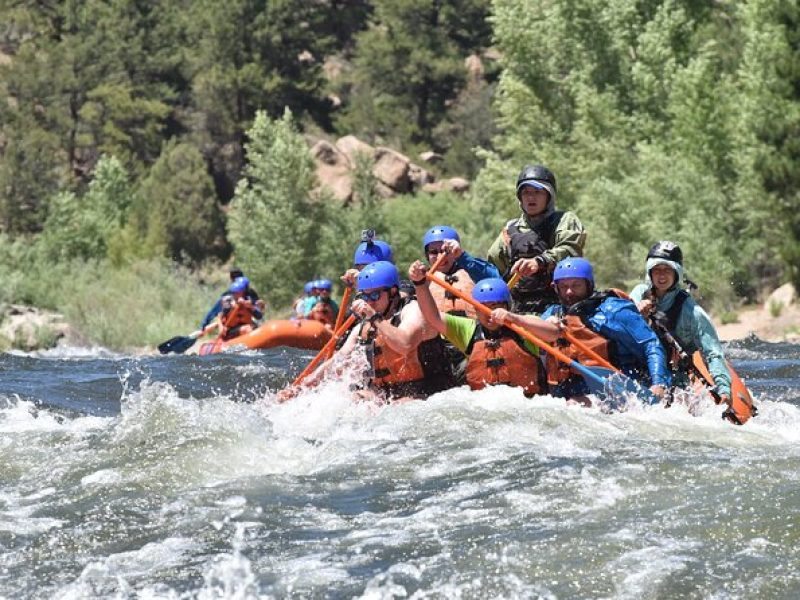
(776, 320)
(761, 322)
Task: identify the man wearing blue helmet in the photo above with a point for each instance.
(406, 355)
(250, 294)
(238, 314)
(458, 268)
(605, 321)
(495, 354)
(367, 252)
(533, 243)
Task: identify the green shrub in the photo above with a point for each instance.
(727, 317)
(775, 308)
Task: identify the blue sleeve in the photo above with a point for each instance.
(477, 268)
(627, 327)
(550, 311)
(257, 314)
(211, 314)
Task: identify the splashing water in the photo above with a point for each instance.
(181, 477)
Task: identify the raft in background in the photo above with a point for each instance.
(305, 334)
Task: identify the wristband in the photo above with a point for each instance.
(422, 281)
(375, 318)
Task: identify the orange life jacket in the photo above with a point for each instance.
(557, 371)
(389, 367)
(447, 302)
(237, 316)
(503, 361)
(323, 312)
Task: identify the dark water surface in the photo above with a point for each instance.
(179, 477)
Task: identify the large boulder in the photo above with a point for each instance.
(351, 147)
(333, 170)
(326, 153)
(29, 328)
(419, 176)
(455, 184)
(392, 168)
(784, 297)
(431, 157)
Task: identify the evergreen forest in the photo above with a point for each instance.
(147, 145)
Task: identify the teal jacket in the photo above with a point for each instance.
(694, 329)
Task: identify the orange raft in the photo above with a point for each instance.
(305, 333)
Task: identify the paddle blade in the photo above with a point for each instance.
(179, 344)
(620, 389)
(614, 389)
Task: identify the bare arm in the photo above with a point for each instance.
(546, 330)
(412, 331)
(427, 305)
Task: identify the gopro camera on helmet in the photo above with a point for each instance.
(368, 235)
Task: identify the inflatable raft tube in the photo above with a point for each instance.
(303, 333)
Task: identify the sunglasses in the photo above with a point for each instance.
(371, 296)
(435, 252)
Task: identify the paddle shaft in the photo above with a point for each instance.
(343, 307)
(588, 351)
(340, 318)
(686, 359)
(331, 345)
(520, 331)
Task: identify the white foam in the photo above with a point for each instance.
(104, 477)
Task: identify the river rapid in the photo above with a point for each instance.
(181, 477)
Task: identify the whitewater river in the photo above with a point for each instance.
(179, 477)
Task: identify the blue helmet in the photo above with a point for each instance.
(492, 289)
(439, 233)
(367, 253)
(574, 267)
(380, 274)
(308, 287)
(386, 249)
(240, 284)
(324, 284)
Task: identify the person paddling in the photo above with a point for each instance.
(606, 322)
(238, 314)
(532, 244)
(249, 293)
(404, 353)
(458, 268)
(495, 354)
(671, 309)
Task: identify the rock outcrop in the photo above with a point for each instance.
(28, 328)
(394, 172)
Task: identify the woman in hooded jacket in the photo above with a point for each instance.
(670, 308)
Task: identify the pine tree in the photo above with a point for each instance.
(178, 208)
(270, 220)
(409, 65)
